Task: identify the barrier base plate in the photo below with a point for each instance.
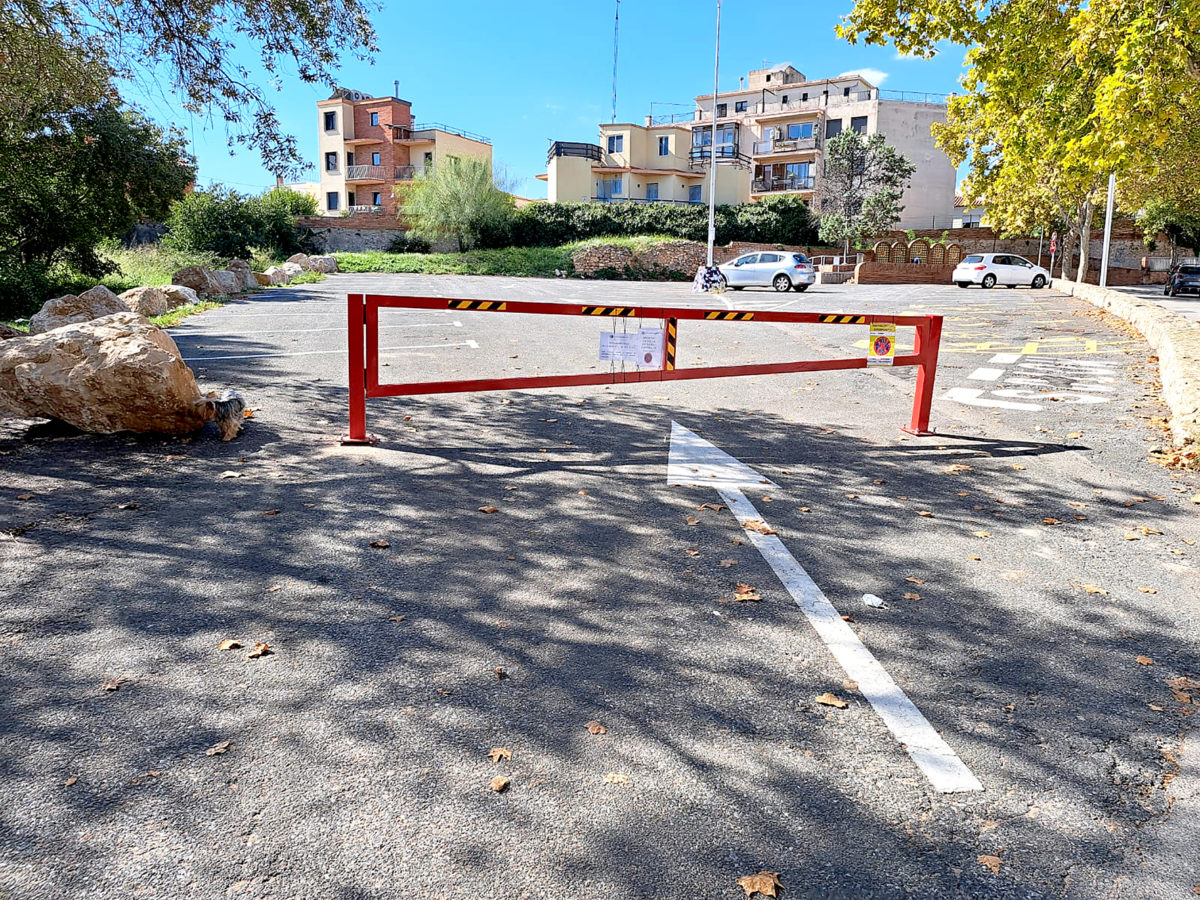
(919, 433)
(346, 440)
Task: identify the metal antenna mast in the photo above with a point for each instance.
(616, 30)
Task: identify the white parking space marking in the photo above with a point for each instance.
(474, 345)
(974, 397)
(692, 458)
(986, 374)
(1046, 378)
(1005, 359)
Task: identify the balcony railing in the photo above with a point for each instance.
(702, 156)
(786, 145)
(377, 210)
(574, 148)
(787, 183)
(426, 131)
(366, 173)
(412, 173)
(644, 200)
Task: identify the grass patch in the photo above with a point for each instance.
(21, 325)
(306, 278)
(527, 262)
(638, 243)
(179, 313)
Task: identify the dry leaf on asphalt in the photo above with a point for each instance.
(1147, 530)
(499, 673)
(381, 544)
(1148, 590)
(70, 781)
(1145, 661)
(924, 513)
(595, 727)
(270, 512)
(744, 593)
(499, 784)
(616, 778)
(112, 684)
(1051, 521)
(691, 551)
(852, 496)
(975, 558)
(726, 563)
(229, 644)
(260, 649)
(760, 883)
(395, 618)
(218, 749)
(758, 525)
(982, 534)
(828, 699)
(488, 509)
(499, 753)
(1018, 467)
(715, 507)
(913, 579)
(26, 496)
(1092, 589)
(1075, 434)
(804, 508)
(957, 469)
(1130, 536)
(691, 520)
(991, 863)
(912, 595)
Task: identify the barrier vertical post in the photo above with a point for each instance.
(669, 338)
(356, 311)
(928, 339)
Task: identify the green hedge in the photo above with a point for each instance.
(778, 220)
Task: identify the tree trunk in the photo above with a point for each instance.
(1085, 239)
(1067, 249)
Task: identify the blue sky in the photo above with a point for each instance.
(541, 70)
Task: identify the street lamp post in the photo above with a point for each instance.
(712, 150)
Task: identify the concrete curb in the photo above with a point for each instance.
(1177, 341)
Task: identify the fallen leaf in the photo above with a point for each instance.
(70, 781)
(1077, 504)
(737, 542)
(852, 496)
(510, 487)
(1092, 589)
(1145, 661)
(1155, 707)
(499, 784)
(229, 644)
(488, 509)
(270, 512)
(1050, 521)
(692, 520)
(828, 699)
(1018, 467)
(1188, 541)
(26, 496)
(1075, 434)
(913, 579)
(616, 778)
(804, 508)
(726, 563)
(273, 588)
(911, 595)
(847, 618)
(924, 513)
(218, 749)
(760, 882)
(766, 499)
(992, 863)
(1130, 536)
(260, 649)
(982, 534)
(499, 673)
(381, 544)
(962, 494)
(744, 593)
(499, 753)
(395, 618)
(595, 727)
(1148, 590)
(975, 558)
(692, 552)
(957, 469)
(1147, 530)
(112, 684)
(1196, 498)
(758, 525)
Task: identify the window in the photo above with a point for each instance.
(797, 172)
(616, 143)
(739, 106)
(973, 259)
(701, 137)
(374, 118)
(664, 146)
(349, 157)
(652, 191)
(846, 92)
(331, 121)
(747, 260)
(331, 201)
(785, 99)
(330, 162)
(377, 198)
(694, 193)
(800, 258)
(350, 199)
(722, 110)
(770, 258)
(374, 159)
(616, 185)
(428, 160)
(833, 127)
(804, 97)
(858, 124)
(796, 132)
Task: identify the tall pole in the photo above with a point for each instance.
(1108, 214)
(616, 30)
(712, 150)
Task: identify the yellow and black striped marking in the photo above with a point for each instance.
(493, 305)
(729, 316)
(671, 327)
(843, 320)
(607, 310)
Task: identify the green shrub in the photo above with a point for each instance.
(230, 225)
(409, 243)
(24, 287)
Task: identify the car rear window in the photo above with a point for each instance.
(800, 257)
(973, 259)
(1189, 270)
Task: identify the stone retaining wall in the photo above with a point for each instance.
(901, 273)
(1175, 338)
(677, 259)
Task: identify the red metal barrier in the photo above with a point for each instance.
(363, 335)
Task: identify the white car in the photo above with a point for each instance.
(990, 269)
(783, 271)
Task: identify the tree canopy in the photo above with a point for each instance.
(860, 190)
(459, 200)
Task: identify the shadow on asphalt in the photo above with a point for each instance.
(363, 730)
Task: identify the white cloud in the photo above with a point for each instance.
(874, 76)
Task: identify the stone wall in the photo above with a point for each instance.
(901, 273)
(350, 233)
(674, 260)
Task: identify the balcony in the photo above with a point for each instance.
(786, 145)
(644, 200)
(702, 156)
(788, 183)
(366, 210)
(426, 132)
(412, 173)
(574, 148)
(366, 173)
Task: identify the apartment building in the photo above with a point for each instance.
(369, 146)
(770, 138)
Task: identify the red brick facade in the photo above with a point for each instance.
(391, 112)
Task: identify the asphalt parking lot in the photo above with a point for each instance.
(1036, 570)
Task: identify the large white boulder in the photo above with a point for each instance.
(199, 279)
(91, 304)
(116, 373)
(229, 282)
(180, 295)
(277, 275)
(324, 264)
(149, 301)
(292, 269)
(245, 274)
(300, 259)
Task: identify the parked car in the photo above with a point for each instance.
(782, 271)
(990, 269)
(1183, 279)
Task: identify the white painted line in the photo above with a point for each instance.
(986, 374)
(693, 460)
(1005, 359)
(974, 397)
(474, 345)
(212, 335)
(932, 755)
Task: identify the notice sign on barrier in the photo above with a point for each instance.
(881, 348)
(642, 347)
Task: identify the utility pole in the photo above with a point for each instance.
(712, 150)
(616, 30)
(1108, 216)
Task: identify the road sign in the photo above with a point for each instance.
(881, 345)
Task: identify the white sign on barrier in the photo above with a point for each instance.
(643, 348)
(881, 346)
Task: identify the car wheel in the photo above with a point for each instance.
(962, 284)
(1167, 291)
(1011, 286)
(1039, 282)
(800, 288)
(989, 281)
(781, 283)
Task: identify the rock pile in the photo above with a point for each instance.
(114, 373)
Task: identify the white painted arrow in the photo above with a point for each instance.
(693, 460)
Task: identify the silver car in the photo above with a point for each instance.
(782, 270)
